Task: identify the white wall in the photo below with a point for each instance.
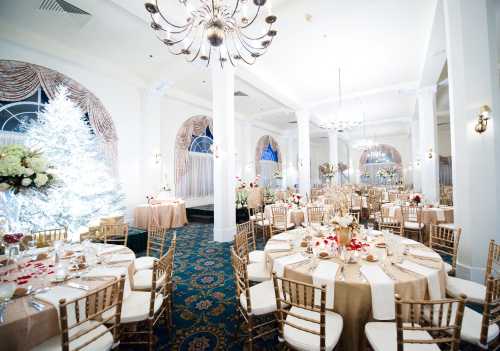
(119, 97)
(444, 140)
(319, 155)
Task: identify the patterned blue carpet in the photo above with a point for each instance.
(204, 297)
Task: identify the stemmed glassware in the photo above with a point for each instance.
(7, 289)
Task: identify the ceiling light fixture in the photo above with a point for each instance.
(342, 121)
(219, 29)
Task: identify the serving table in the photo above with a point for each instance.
(168, 214)
(25, 326)
(352, 293)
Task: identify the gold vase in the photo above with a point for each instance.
(344, 234)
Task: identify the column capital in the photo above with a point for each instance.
(429, 90)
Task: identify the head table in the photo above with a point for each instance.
(24, 325)
(352, 292)
(167, 214)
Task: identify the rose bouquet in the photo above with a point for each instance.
(416, 199)
(295, 199)
(13, 238)
(22, 168)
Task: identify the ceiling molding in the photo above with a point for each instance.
(406, 87)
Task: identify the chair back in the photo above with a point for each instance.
(412, 214)
(491, 310)
(291, 293)
(156, 241)
(355, 215)
(161, 282)
(239, 264)
(442, 319)
(45, 238)
(392, 196)
(82, 316)
(493, 263)
(279, 216)
(445, 242)
(247, 228)
(241, 244)
(315, 214)
(115, 233)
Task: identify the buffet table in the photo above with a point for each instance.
(352, 292)
(25, 326)
(165, 214)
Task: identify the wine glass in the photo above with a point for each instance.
(7, 289)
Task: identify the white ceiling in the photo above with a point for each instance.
(379, 45)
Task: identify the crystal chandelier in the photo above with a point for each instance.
(215, 29)
(342, 121)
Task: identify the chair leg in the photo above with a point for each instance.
(250, 333)
(151, 337)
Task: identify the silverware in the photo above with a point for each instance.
(36, 305)
(78, 286)
(342, 276)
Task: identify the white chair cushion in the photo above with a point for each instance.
(475, 292)
(447, 226)
(264, 223)
(262, 298)
(382, 337)
(105, 342)
(257, 272)
(145, 262)
(256, 256)
(143, 279)
(447, 267)
(414, 225)
(471, 327)
(304, 341)
(356, 208)
(282, 226)
(257, 217)
(135, 307)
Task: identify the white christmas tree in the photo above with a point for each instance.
(84, 188)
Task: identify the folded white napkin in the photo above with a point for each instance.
(432, 275)
(280, 263)
(382, 288)
(104, 250)
(425, 254)
(277, 246)
(281, 237)
(57, 293)
(325, 274)
(114, 272)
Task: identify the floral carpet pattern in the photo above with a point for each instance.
(204, 297)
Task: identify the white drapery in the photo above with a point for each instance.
(267, 169)
(198, 181)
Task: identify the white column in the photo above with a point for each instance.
(473, 78)
(224, 155)
(304, 152)
(416, 158)
(429, 170)
(333, 154)
(291, 160)
(247, 146)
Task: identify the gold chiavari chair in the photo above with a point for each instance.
(142, 310)
(386, 222)
(279, 221)
(256, 270)
(304, 322)
(255, 301)
(491, 315)
(90, 322)
(45, 238)
(421, 325)
(256, 216)
(154, 248)
(392, 196)
(412, 222)
(355, 215)
(476, 293)
(445, 242)
(315, 214)
(374, 207)
(116, 234)
(254, 255)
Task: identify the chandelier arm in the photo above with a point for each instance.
(243, 41)
(209, 55)
(243, 57)
(253, 19)
(229, 56)
(181, 29)
(236, 8)
(164, 18)
(257, 38)
(187, 35)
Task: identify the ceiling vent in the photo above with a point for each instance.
(61, 6)
(240, 93)
(293, 122)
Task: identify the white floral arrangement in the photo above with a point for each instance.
(328, 170)
(295, 199)
(22, 168)
(344, 221)
(382, 173)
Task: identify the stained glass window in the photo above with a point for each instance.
(268, 154)
(202, 143)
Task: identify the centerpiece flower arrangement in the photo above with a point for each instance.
(255, 182)
(241, 199)
(416, 199)
(269, 196)
(295, 199)
(241, 184)
(392, 173)
(328, 170)
(344, 227)
(22, 168)
(382, 173)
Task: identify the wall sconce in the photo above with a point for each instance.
(157, 157)
(430, 154)
(484, 116)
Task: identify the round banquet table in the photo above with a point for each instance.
(430, 215)
(295, 215)
(25, 327)
(352, 293)
(165, 214)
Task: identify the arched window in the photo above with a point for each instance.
(380, 165)
(194, 160)
(267, 159)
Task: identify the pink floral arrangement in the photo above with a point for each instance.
(255, 182)
(13, 238)
(356, 244)
(295, 198)
(416, 198)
